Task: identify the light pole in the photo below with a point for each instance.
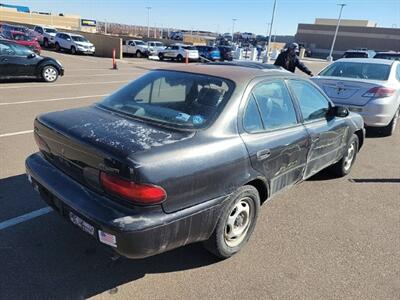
(148, 21)
(270, 33)
(330, 58)
(233, 27)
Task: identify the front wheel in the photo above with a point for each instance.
(179, 58)
(49, 74)
(138, 54)
(343, 166)
(46, 43)
(236, 223)
(73, 50)
(58, 48)
(161, 56)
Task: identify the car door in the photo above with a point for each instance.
(328, 134)
(8, 61)
(25, 60)
(275, 139)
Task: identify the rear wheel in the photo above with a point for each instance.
(179, 58)
(390, 129)
(49, 74)
(161, 56)
(236, 223)
(343, 166)
(73, 50)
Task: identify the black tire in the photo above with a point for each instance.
(58, 48)
(46, 43)
(49, 73)
(161, 56)
(390, 129)
(73, 50)
(139, 54)
(343, 166)
(220, 244)
(179, 58)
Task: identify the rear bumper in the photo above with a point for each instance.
(139, 232)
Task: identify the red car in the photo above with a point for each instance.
(23, 39)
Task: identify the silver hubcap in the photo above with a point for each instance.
(50, 74)
(238, 223)
(348, 160)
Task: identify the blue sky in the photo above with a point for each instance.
(216, 15)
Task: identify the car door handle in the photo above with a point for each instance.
(315, 139)
(263, 154)
(4, 59)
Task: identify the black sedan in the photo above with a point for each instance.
(188, 154)
(18, 61)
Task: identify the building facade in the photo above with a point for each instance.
(352, 34)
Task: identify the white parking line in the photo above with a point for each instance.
(108, 74)
(61, 84)
(54, 99)
(26, 217)
(15, 133)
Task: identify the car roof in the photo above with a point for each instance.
(248, 64)
(235, 73)
(368, 60)
(388, 52)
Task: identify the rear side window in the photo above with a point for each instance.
(388, 56)
(313, 104)
(357, 70)
(251, 119)
(275, 105)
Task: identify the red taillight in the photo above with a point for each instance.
(140, 193)
(379, 92)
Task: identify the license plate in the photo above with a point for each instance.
(86, 227)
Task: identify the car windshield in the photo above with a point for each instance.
(189, 47)
(140, 43)
(21, 37)
(77, 38)
(50, 30)
(357, 70)
(355, 55)
(391, 56)
(178, 99)
(158, 44)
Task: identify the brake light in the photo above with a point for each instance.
(140, 193)
(379, 92)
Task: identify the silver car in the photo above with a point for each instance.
(368, 86)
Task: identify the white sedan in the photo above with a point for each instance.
(368, 86)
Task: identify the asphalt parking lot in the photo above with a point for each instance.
(323, 239)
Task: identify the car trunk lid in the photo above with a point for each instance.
(92, 139)
(347, 90)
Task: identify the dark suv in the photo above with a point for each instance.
(188, 154)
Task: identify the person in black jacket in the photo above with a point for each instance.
(289, 60)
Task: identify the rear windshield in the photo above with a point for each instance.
(357, 70)
(189, 47)
(388, 56)
(180, 99)
(355, 55)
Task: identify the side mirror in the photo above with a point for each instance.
(31, 55)
(340, 111)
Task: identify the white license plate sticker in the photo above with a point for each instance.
(86, 227)
(107, 238)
